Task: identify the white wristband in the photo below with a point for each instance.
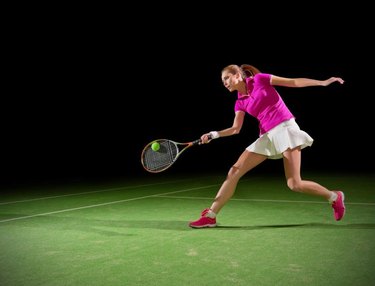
(214, 134)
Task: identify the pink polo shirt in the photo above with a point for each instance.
(264, 103)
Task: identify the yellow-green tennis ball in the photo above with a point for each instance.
(155, 146)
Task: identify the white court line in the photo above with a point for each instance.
(103, 204)
(90, 192)
(261, 200)
(164, 195)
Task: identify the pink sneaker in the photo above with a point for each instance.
(205, 211)
(203, 221)
(338, 206)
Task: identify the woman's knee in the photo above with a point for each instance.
(234, 173)
(294, 184)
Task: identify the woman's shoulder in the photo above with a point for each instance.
(262, 75)
(262, 78)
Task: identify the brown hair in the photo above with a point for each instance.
(245, 70)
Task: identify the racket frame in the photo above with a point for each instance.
(180, 147)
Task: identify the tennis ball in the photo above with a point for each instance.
(155, 146)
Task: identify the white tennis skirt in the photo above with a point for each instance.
(286, 135)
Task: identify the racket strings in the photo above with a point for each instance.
(155, 161)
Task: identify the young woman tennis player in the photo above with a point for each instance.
(280, 136)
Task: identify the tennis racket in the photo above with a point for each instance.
(168, 153)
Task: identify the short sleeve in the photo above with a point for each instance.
(263, 78)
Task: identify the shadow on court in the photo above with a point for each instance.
(305, 225)
(118, 227)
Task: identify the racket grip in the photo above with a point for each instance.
(199, 141)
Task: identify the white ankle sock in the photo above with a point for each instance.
(333, 197)
(211, 214)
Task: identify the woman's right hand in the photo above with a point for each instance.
(206, 138)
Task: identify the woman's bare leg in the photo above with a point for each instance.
(246, 162)
(292, 167)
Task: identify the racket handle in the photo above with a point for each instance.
(199, 141)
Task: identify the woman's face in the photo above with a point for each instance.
(231, 80)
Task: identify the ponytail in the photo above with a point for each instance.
(249, 70)
(245, 70)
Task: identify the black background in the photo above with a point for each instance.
(82, 100)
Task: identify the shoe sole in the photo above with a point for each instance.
(203, 226)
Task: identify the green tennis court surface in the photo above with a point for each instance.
(134, 232)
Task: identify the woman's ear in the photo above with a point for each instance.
(238, 76)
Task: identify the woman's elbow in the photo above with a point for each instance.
(236, 131)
